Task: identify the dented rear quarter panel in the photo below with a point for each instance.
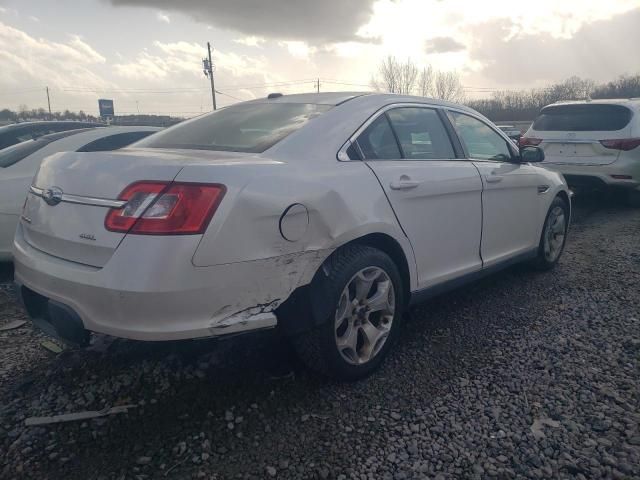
(344, 201)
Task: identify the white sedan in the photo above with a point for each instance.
(326, 215)
(19, 163)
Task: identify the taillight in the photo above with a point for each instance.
(529, 141)
(165, 208)
(624, 144)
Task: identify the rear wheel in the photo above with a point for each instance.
(554, 235)
(363, 287)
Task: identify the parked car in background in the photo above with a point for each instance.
(595, 144)
(20, 132)
(19, 163)
(324, 214)
(512, 132)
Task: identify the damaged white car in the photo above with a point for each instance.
(323, 214)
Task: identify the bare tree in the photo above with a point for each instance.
(448, 86)
(395, 76)
(425, 82)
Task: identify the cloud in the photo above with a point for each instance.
(312, 21)
(298, 49)
(33, 18)
(251, 41)
(28, 60)
(597, 51)
(443, 45)
(163, 17)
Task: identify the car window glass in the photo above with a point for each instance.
(250, 128)
(583, 118)
(14, 154)
(482, 141)
(114, 142)
(420, 133)
(378, 142)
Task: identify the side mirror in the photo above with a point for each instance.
(531, 154)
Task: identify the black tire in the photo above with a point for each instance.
(318, 347)
(542, 260)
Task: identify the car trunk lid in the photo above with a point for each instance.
(579, 148)
(90, 183)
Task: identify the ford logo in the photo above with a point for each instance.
(52, 196)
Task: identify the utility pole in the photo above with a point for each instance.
(318, 86)
(207, 68)
(48, 102)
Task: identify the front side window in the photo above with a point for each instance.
(481, 141)
(421, 134)
(378, 142)
(249, 127)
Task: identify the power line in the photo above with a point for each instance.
(231, 96)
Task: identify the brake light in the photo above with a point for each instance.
(529, 141)
(165, 208)
(624, 144)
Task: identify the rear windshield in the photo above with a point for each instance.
(250, 128)
(583, 118)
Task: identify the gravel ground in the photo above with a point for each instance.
(523, 375)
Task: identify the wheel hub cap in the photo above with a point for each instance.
(364, 315)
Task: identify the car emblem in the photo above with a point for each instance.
(52, 196)
(571, 135)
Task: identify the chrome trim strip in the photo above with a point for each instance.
(80, 200)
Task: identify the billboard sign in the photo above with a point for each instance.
(106, 107)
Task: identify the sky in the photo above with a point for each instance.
(146, 55)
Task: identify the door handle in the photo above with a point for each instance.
(403, 184)
(494, 179)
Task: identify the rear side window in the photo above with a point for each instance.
(378, 142)
(114, 142)
(583, 118)
(251, 128)
(420, 133)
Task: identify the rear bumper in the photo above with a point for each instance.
(138, 296)
(599, 176)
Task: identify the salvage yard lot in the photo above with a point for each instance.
(521, 375)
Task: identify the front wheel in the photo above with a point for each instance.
(554, 235)
(364, 288)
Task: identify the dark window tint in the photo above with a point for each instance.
(12, 134)
(583, 118)
(114, 142)
(377, 142)
(352, 152)
(12, 155)
(420, 133)
(240, 128)
(482, 141)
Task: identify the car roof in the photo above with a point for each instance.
(629, 102)
(338, 98)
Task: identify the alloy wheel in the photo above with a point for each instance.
(364, 315)
(554, 235)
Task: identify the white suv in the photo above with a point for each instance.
(593, 143)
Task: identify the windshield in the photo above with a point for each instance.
(583, 118)
(250, 128)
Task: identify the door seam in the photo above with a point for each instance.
(481, 213)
